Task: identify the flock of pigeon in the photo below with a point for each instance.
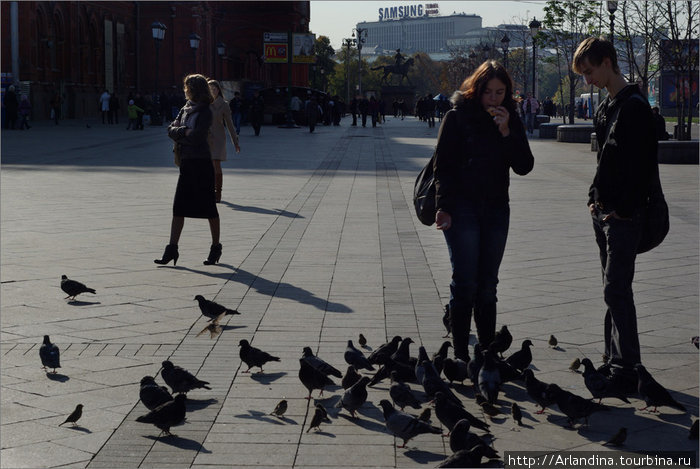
(487, 372)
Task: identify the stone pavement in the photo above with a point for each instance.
(320, 243)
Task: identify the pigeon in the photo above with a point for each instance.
(653, 393)
(537, 390)
(74, 416)
(618, 439)
(280, 408)
(401, 393)
(462, 438)
(516, 413)
(573, 406)
(522, 358)
(693, 433)
(403, 425)
(446, 321)
(575, 365)
(151, 394)
(211, 309)
(353, 397)
(74, 288)
(489, 379)
(465, 458)
(598, 384)
(384, 350)
(455, 370)
(438, 363)
(356, 358)
(213, 328)
(553, 342)
(320, 415)
(489, 409)
(449, 414)
(425, 415)
(252, 356)
(320, 364)
(351, 377)
(179, 379)
(405, 372)
(402, 354)
(474, 366)
(507, 371)
(419, 368)
(695, 340)
(49, 354)
(362, 340)
(312, 379)
(432, 384)
(501, 341)
(442, 351)
(166, 415)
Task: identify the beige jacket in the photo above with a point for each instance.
(221, 114)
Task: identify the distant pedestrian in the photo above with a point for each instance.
(56, 103)
(257, 112)
(221, 120)
(363, 106)
(104, 105)
(354, 110)
(11, 106)
(295, 106)
(132, 112)
(374, 110)
(530, 107)
(25, 108)
(313, 112)
(236, 105)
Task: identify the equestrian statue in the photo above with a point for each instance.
(400, 67)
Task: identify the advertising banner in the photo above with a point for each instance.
(303, 48)
(276, 52)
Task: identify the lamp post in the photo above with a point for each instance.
(158, 31)
(347, 43)
(505, 41)
(221, 52)
(194, 45)
(534, 29)
(612, 8)
(361, 38)
(323, 79)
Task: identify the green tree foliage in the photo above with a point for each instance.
(324, 60)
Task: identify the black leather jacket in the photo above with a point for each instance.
(197, 117)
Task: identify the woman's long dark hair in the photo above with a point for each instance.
(474, 85)
(197, 89)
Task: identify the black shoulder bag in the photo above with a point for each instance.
(424, 194)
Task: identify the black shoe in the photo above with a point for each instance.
(214, 254)
(170, 254)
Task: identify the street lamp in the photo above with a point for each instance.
(323, 79)
(506, 42)
(194, 45)
(221, 52)
(612, 8)
(534, 30)
(158, 31)
(361, 38)
(348, 43)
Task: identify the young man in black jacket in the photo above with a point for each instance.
(627, 157)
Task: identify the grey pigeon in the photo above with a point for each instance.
(280, 408)
(618, 439)
(516, 413)
(455, 369)
(522, 358)
(151, 394)
(402, 354)
(353, 397)
(320, 364)
(489, 378)
(49, 354)
(252, 356)
(419, 368)
(573, 406)
(211, 309)
(442, 351)
(405, 371)
(449, 414)
(537, 390)
(312, 379)
(446, 320)
(351, 377)
(74, 416)
(179, 379)
(74, 288)
(501, 341)
(432, 384)
(401, 393)
(384, 350)
(320, 415)
(465, 457)
(166, 415)
(356, 358)
(403, 425)
(362, 340)
(653, 393)
(461, 438)
(598, 384)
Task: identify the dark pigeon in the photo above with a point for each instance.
(522, 358)
(312, 379)
(449, 414)
(362, 340)
(402, 353)
(573, 406)
(419, 368)
(442, 351)
(351, 377)
(74, 288)
(489, 378)
(575, 365)
(401, 393)
(516, 413)
(438, 363)
(151, 394)
(432, 384)
(320, 415)
(356, 358)
(74, 416)
(280, 408)
(384, 350)
(353, 397)
(179, 379)
(403, 425)
(553, 342)
(507, 371)
(446, 320)
(320, 364)
(252, 356)
(166, 415)
(598, 384)
(49, 354)
(465, 458)
(461, 438)
(211, 309)
(406, 372)
(501, 341)
(455, 370)
(537, 390)
(653, 393)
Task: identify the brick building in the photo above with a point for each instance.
(81, 48)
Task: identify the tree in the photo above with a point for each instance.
(344, 73)
(324, 60)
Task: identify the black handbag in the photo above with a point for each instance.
(424, 194)
(654, 217)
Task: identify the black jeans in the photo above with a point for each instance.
(617, 243)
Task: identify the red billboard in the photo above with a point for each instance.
(276, 52)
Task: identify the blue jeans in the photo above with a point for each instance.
(476, 242)
(617, 243)
(237, 122)
(530, 121)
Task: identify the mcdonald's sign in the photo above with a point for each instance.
(276, 52)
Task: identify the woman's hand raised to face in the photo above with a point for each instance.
(501, 117)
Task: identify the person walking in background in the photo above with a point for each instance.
(132, 111)
(113, 109)
(363, 106)
(374, 110)
(530, 107)
(430, 110)
(221, 120)
(313, 112)
(56, 102)
(257, 112)
(353, 110)
(104, 105)
(11, 106)
(478, 143)
(194, 197)
(627, 160)
(25, 108)
(236, 105)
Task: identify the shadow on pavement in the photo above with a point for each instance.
(199, 404)
(57, 377)
(180, 442)
(261, 416)
(260, 210)
(267, 378)
(421, 456)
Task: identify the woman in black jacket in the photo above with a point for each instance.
(479, 141)
(194, 196)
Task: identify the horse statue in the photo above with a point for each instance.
(401, 70)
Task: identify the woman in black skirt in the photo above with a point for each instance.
(194, 196)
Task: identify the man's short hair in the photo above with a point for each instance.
(595, 49)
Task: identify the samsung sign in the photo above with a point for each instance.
(404, 11)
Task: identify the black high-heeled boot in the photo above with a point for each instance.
(170, 254)
(214, 254)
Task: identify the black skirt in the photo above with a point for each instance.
(194, 196)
